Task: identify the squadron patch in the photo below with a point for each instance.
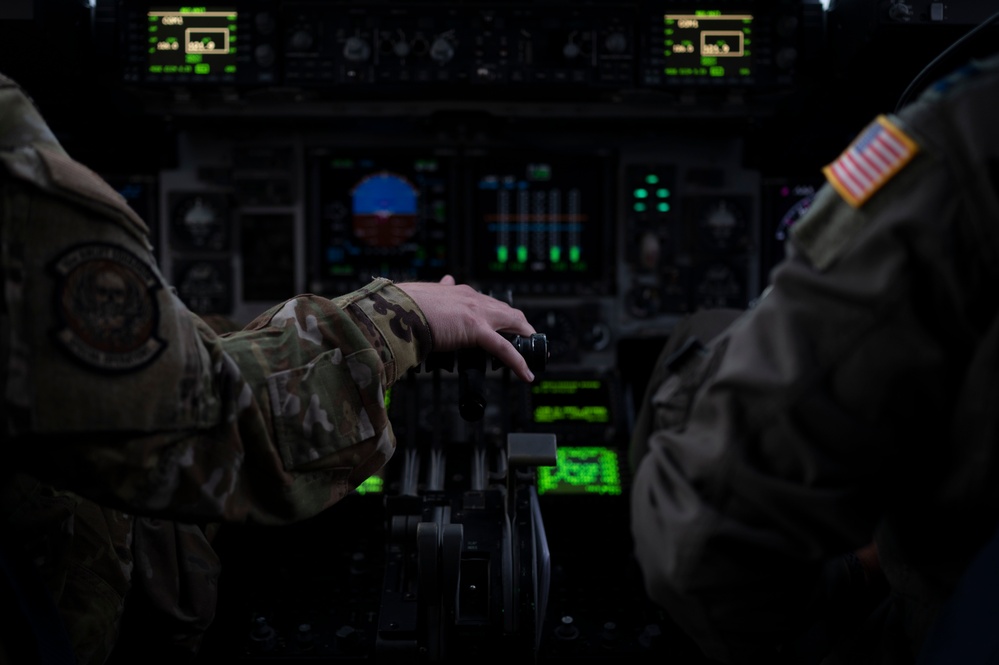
(106, 303)
(875, 156)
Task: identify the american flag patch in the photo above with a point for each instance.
(880, 152)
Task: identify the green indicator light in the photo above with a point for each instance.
(371, 485)
(744, 71)
(717, 71)
(153, 19)
(539, 172)
(193, 58)
(641, 193)
(522, 254)
(156, 69)
(502, 253)
(663, 207)
(707, 62)
(152, 49)
(574, 254)
(230, 69)
(152, 40)
(651, 179)
(662, 193)
(640, 207)
(555, 253)
(668, 31)
(202, 69)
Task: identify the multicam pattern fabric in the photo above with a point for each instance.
(149, 421)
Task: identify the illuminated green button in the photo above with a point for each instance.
(641, 193)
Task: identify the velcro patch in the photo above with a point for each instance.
(106, 303)
(874, 157)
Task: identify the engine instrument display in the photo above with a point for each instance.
(538, 224)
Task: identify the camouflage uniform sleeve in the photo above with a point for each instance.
(114, 389)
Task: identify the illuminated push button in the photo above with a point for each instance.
(652, 179)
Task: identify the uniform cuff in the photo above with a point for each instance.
(397, 326)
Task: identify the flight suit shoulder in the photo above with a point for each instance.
(59, 175)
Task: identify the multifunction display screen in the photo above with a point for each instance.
(380, 215)
(191, 41)
(538, 222)
(710, 44)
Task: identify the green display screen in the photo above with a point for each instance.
(570, 401)
(710, 44)
(582, 470)
(191, 41)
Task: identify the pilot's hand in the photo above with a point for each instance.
(461, 317)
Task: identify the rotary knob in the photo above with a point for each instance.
(356, 49)
(616, 42)
(442, 50)
(301, 40)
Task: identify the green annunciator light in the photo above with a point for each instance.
(502, 253)
(522, 254)
(555, 253)
(574, 254)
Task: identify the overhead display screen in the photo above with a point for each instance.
(708, 44)
(191, 41)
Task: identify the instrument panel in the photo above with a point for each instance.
(595, 164)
